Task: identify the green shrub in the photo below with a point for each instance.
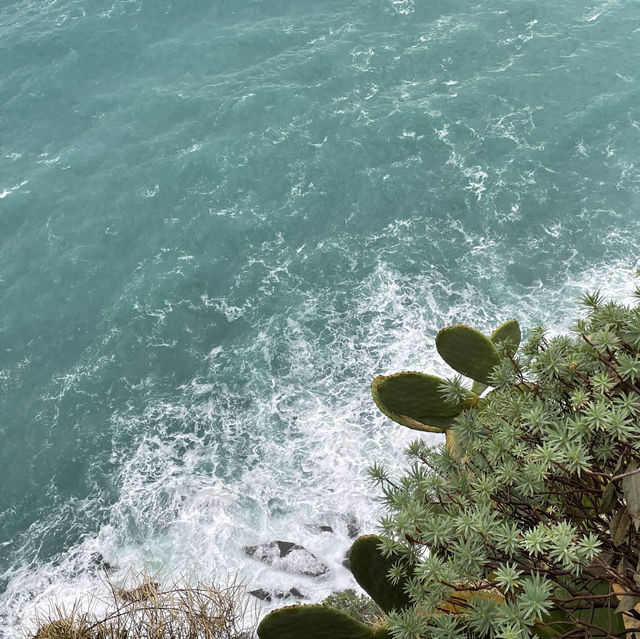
(528, 524)
(359, 607)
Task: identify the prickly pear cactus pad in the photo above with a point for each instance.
(312, 622)
(414, 400)
(509, 333)
(468, 351)
(558, 623)
(370, 569)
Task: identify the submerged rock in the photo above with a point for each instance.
(318, 528)
(266, 595)
(285, 555)
(261, 593)
(353, 525)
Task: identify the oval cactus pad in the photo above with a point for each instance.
(370, 568)
(414, 400)
(509, 332)
(468, 351)
(312, 622)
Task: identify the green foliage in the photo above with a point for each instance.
(506, 338)
(530, 525)
(360, 607)
(526, 522)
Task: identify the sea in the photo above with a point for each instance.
(220, 219)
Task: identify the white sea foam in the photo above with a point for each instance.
(597, 11)
(403, 7)
(150, 191)
(6, 192)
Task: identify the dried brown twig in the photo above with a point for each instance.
(145, 606)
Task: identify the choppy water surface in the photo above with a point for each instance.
(219, 220)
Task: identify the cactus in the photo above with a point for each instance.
(509, 333)
(468, 351)
(312, 622)
(370, 569)
(323, 622)
(558, 623)
(500, 602)
(414, 400)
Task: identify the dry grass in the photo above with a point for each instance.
(145, 607)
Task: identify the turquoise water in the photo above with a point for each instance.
(219, 220)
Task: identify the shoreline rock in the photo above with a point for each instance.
(269, 595)
(290, 557)
(318, 528)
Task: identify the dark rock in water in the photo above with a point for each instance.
(285, 555)
(353, 526)
(261, 593)
(318, 528)
(97, 559)
(345, 562)
(265, 595)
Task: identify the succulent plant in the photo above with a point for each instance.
(312, 622)
(371, 569)
(419, 400)
(468, 351)
(507, 336)
(532, 522)
(415, 400)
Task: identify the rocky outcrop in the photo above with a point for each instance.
(290, 557)
(269, 595)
